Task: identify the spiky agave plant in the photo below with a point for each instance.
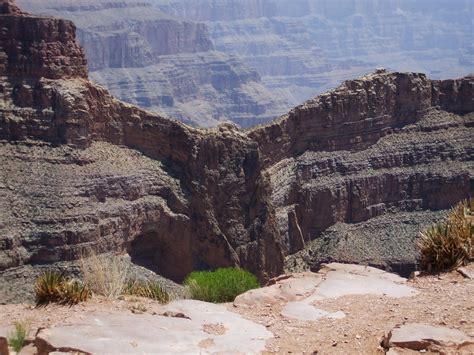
(48, 287)
(448, 244)
(54, 287)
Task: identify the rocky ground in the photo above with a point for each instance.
(342, 309)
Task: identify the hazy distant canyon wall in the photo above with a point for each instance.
(163, 63)
(303, 47)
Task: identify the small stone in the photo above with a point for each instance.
(464, 272)
(358, 336)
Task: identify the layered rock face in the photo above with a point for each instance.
(303, 47)
(82, 171)
(198, 201)
(367, 149)
(164, 64)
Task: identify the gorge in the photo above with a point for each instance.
(249, 61)
(351, 175)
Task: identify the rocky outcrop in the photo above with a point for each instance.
(39, 47)
(82, 171)
(368, 148)
(157, 333)
(419, 337)
(165, 64)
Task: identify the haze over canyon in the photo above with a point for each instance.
(249, 61)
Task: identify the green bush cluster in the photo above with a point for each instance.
(447, 245)
(221, 285)
(54, 287)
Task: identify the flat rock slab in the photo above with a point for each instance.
(210, 329)
(298, 292)
(291, 288)
(342, 280)
(418, 336)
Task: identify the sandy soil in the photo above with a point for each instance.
(446, 300)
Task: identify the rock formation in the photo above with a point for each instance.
(369, 147)
(203, 189)
(164, 64)
(82, 171)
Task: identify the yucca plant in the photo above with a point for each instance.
(48, 287)
(448, 244)
(54, 287)
(147, 289)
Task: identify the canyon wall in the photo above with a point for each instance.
(351, 175)
(302, 48)
(164, 64)
(191, 199)
(371, 148)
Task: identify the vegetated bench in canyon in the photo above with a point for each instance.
(82, 171)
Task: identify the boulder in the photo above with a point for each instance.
(419, 336)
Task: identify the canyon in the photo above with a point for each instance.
(302, 48)
(164, 64)
(249, 61)
(351, 175)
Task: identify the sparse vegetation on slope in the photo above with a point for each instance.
(448, 244)
(147, 289)
(57, 288)
(221, 285)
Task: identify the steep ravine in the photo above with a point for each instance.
(82, 171)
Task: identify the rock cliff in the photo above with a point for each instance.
(202, 189)
(370, 148)
(163, 63)
(335, 178)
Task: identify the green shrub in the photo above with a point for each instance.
(221, 285)
(55, 287)
(147, 289)
(17, 338)
(447, 245)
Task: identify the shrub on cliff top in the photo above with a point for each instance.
(105, 275)
(221, 285)
(447, 245)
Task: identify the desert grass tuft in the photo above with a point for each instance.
(105, 275)
(17, 338)
(147, 289)
(448, 244)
